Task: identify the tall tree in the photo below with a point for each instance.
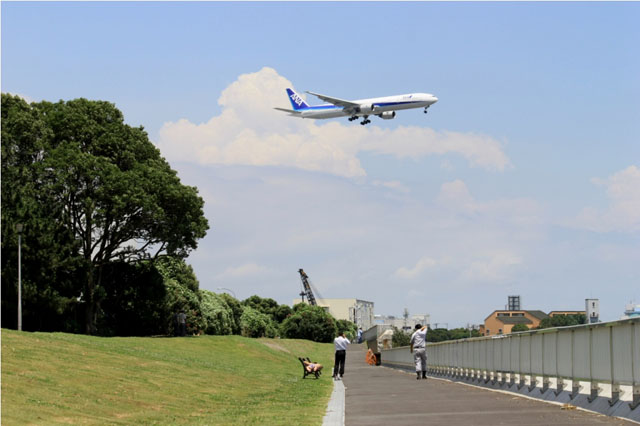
(107, 186)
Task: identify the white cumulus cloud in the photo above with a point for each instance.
(623, 212)
(248, 131)
(423, 264)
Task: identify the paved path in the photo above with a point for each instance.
(385, 396)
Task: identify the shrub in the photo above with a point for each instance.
(519, 327)
(400, 338)
(349, 328)
(236, 311)
(217, 314)
(256, 324)
(311, 323)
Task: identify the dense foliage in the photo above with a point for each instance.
(311, 323)
(91, 192)
(268, 307)
(563, 320)
(400, 338)
(443, 334)
(519, 327)
(349, 328)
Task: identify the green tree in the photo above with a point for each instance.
(182, 294)
(519, 327)
(400, 338)
(266, 306)
(311, 323)
(563, 320)
(256, 324)
(217, 314)
(49, 261)
(94, 190)
(350, 329)
(134, 301)
(437, 335)
(236, 311)
(282, 313)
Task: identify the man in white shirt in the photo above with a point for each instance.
(341, 344)
(418, 347)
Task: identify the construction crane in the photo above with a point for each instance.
(306, 289)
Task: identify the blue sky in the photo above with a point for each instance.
(523, 179)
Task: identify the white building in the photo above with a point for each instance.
(360, 312)
(592, 307)
(631, 311)
(401, 323)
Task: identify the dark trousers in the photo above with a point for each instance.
(338, 365)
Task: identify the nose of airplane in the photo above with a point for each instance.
(434, 99)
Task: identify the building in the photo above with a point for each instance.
(592, 306)
(631, 311)
(501, 322)
(357, 311)
(402, 323)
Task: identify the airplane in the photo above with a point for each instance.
(384, 108)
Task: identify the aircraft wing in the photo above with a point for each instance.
(337, 102)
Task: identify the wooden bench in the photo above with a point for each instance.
(306, 373)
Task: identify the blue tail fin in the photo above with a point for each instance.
(296, 101)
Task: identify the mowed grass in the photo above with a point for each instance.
(57, 378)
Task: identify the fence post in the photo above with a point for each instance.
(575, 385)
(532, 378)
(615, 387)
(545, 379)
(520, 375)
(594, 385)
(559, 381)
(636, 385)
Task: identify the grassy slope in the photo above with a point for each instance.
(63, 378)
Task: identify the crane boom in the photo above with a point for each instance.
(306, 288)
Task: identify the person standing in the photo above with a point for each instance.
(360, 335)
(419, 350)
(340, 344)
(182, 323)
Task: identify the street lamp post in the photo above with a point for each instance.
(230, 291)
(19, 228)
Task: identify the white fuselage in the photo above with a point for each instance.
(371, 106)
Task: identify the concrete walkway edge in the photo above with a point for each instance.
(335, 409)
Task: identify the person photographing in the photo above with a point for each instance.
(341, 343)
(419, 350)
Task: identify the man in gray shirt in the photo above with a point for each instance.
(419, 350)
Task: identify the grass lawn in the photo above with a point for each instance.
(57, 378)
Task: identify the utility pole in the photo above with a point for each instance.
(19, 228)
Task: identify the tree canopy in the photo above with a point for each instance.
(309, 322)
(91, 190)
(563, 320)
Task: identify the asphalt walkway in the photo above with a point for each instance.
(386, 396)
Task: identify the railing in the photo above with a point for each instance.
(602, 353)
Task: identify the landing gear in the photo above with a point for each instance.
(425, 109)
(366, 120)
(355, 117)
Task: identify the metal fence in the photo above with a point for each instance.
(596, 353)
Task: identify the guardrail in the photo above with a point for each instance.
(601, 353)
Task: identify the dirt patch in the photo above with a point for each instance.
(277, 347)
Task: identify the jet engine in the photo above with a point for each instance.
(366, 109)
(387, 115)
